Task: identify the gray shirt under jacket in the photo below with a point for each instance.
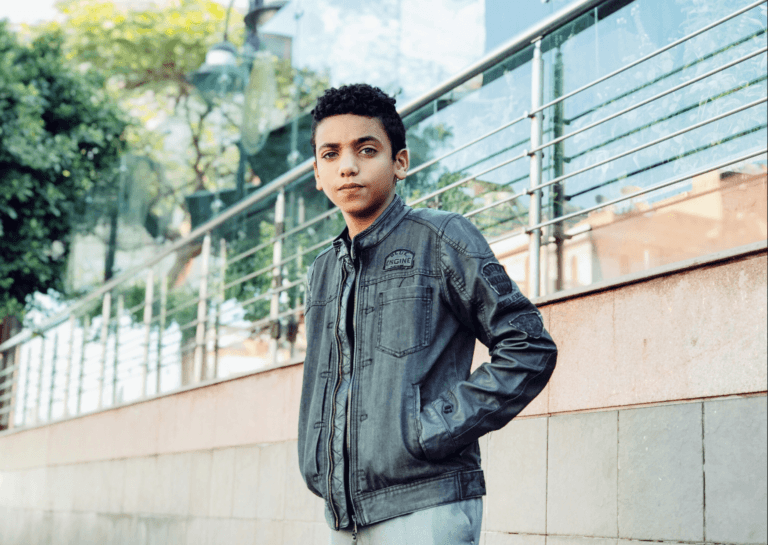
(398, 415)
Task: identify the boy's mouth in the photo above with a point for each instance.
(349, 186)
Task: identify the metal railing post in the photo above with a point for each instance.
(26, 387)
(149, 294)
(534, 210)
(220, 303)
(161, 328)
(277, 279)
(40, 380)
(10, 386)
(558, 162)
(54, 357)
(70, 355)
(116, 359)
(198, 372)
(106, 305)
(81, 374)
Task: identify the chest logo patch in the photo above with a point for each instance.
(497, 277)
(399, 259)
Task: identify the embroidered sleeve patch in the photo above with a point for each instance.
(529, 323)
(399, 259)
(497, 277)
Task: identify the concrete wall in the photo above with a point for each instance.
(653, 427)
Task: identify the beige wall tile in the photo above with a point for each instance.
(321, 534)
(172, 487)
(269, 531)
(297, 532)
(688, 336)
(88, 487)
(243, 532)
(584, 374)
(113, 481)
(33, 487)
(140, 479)
(222, 483)
(246, 482)
(270, 500)
(24, 449)
(516, 477)
(187, 420)
(300, 503)
(61, 487)
(200, 483)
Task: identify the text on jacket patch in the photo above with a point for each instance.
(399, 259)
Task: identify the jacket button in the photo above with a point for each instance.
(363, 417)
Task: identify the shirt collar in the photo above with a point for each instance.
(374, 233)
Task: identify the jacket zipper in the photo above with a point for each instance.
(349, 401)
(333, 410)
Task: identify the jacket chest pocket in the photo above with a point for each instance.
(404, 320)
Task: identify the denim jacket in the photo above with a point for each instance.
(389, 424)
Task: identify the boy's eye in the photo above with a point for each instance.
(329, 155)
(368, 151)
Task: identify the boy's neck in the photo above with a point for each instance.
(357, 224)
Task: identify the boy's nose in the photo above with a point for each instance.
(348, 165)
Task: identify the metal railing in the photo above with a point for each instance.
(172, 337)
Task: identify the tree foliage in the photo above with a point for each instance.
(60, 137)
(147, 56)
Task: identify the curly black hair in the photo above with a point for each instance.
(365, 100)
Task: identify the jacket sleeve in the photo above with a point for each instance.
(523, 355)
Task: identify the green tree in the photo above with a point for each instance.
(147, 56)
(60, 138)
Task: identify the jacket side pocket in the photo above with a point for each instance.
(413, 433)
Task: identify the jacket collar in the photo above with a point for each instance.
(374, 233)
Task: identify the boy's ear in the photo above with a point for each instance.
(402, 162)
(317, 177)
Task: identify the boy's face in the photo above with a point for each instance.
(355, 169)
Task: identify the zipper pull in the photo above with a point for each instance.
(354, 533)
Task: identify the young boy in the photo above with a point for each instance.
(390, 416)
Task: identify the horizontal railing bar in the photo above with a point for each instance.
(9, 370)
(6, 396)
(7, 409)
(431, 162)
(250, 276)
(495, 204)
(502, 151)
(688, 153)
(650, 99)
(271, 241)
(250, 251)
(285, 261)
(649, 144)
(648, 56)
(192, 323)
(664, 76)
(134, 308)
(188, 304)
(258, 324)
(512, 46)
(266, 294)
(711, 99)
(467, 179)
(506, 236)
(646, 190)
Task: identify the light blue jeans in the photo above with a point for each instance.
(456, 523)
